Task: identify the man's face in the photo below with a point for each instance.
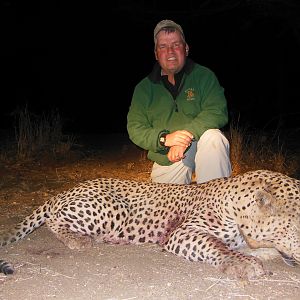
(170, 51)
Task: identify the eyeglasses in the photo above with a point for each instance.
(173, 46)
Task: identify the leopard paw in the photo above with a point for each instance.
(243, 268)
(79, 243)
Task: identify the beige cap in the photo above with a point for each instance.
(167, 23)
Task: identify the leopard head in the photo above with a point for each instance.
(274, 219)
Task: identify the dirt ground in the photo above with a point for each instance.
(46, 269)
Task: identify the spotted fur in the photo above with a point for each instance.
(206, 222)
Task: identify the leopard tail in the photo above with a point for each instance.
(28, 225)
(6, 267)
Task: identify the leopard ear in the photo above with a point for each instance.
(266, 202)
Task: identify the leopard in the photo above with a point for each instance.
(208, 222)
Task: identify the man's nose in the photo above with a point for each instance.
(170, 49)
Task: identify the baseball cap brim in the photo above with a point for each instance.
(167, 23)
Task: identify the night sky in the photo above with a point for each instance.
(85, 59)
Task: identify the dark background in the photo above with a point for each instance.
(85, 58)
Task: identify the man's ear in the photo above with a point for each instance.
(187, 49)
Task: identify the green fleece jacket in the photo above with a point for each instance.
(199, 105)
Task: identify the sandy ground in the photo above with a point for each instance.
(46, 269)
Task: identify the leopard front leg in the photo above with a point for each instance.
(73, 240)
(196, 245)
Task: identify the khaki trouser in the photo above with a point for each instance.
(208, 158)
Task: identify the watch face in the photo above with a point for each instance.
(162, 140)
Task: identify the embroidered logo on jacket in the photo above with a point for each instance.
(190, 94)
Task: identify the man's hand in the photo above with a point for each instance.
(176, 153)
(181, 138)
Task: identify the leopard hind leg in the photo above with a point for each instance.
(71, 239)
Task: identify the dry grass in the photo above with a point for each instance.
(258, 150)
(35, 135)
(40, 137)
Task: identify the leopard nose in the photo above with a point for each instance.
(289, 260)
(297, 257)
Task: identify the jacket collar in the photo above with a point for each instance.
(155, 75)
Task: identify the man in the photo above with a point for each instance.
(176, 114)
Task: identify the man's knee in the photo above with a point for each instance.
(214, 136)
(176, 173)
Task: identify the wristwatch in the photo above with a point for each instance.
(162, 139)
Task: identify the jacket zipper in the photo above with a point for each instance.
(179, 90)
